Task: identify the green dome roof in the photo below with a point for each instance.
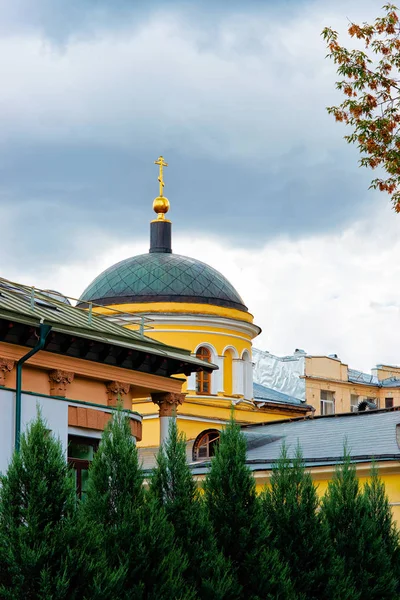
(162, 277)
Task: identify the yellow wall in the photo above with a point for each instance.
(191, 337)
(323, 373)
(229, 332)
(389, 475)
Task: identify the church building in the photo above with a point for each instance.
(184, 302)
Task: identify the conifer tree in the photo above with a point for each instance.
(354, 535)
(174, 488)
(290, 507)
(236, 515)
(131, 539)
(37, 501)
(380, 513)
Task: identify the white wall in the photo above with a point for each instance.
(7, 403)
(55, 412)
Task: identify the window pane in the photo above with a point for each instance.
(354, 402)
(206, 446)
(330, 408)
(388, 402)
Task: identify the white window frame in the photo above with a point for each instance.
(325, 402)
(354, 407)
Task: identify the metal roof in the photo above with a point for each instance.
(159, 277)
(368, 435)
(262, 392)
(372, 380)
(29, 306)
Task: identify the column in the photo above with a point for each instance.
(238, 377)
(217, 377)
(59, 382)
(168, 403)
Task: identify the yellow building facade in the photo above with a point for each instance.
(327, 384)
(181, 301)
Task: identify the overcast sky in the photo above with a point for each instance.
(261, 183)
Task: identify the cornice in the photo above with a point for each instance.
(193, 319)
(48, 361)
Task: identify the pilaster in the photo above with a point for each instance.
(116, 390)
(6, 365)
(59, 382)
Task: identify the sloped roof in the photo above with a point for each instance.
(29, 306)
(262, 392)
(367, 434)
(360, 377)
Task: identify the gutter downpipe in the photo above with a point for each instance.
(44, 331)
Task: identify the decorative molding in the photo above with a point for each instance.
(115, 391)
(85, 368)
(6, 365)
(59, 380)
(187, 319)
(203, 331)
(90, 418)
(167, 402)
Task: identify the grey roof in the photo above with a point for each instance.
(262, 392)
(365, 378)
(30, 306)
(368, 435)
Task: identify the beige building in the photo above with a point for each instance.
(326, 383)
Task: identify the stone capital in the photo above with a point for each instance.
(59, 382)
(116, 390)
(167, 402)
(6, 365)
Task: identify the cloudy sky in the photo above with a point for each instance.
(261, 183)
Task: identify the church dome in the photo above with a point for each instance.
(162, 277)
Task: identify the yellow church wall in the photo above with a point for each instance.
(191, 338)
(205, 413)
(151, 427)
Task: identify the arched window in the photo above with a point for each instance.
(205, 444)
(203, 379)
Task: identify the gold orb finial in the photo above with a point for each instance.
(161, 204)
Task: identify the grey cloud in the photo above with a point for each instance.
(68, 194)
(252, 154)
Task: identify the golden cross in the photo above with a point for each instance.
(161, 162)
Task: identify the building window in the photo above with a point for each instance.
(388, 402)
(203, 379)
(354, 399)
(327, 402)
(81, 451)
(205, 444)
